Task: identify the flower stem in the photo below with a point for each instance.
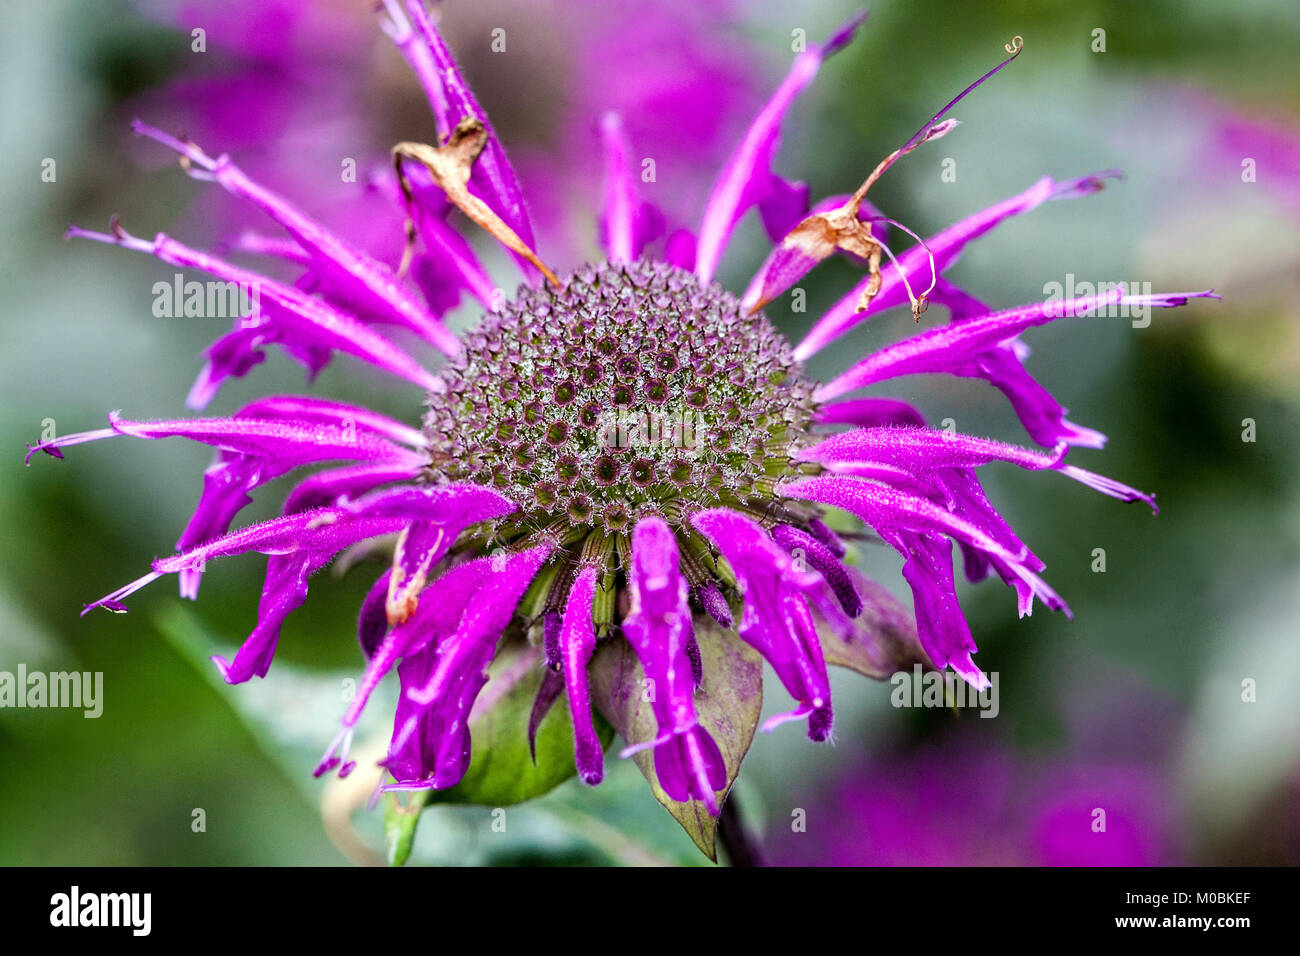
(741, 847)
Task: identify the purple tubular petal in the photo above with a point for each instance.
(286, 580)
(869, 412)
(428, 538)
(827, 565)
(826, 536)
(627, 222)
(697, 663)
(327, 487)
(284, 591)
(417, 642)
(577, 643)
(785, 266)
(889, 511)
(226, 483)
(1042, 415)
(963, 495)
(747, 179)
(306, 408)
(307, 328)
(431, 741)
(946, 247)
(551, 622)
(52, 446)
(784, 207)
(949, 347)
(346, 274)
(887, 474)
(372, 621)
(688, 762)
(324, 531)
(288, 444)
(432, 621)
(237, 353)
(924, 450)
(714, 604)
(448, 262)
(776, 621)
(548, 692)
(940, 624)
(493, 179)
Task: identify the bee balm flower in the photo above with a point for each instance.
(625, 456)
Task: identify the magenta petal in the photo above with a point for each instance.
(344, 273)
(288, 444)
(284, 591)
(688, 763)
(783, 208)
(747, 178)
(372, 621)
(307, 328)
(940, 623)
(436, 618)
(328, 487)
(923, 450)
(869, 412)
(776, 620)
(1002, 367)
(890, 511)
(429, 537)
(431, 743)
(627, 222)
(348, 418)
(493, 178)
(577, 644)
(948, 347)
(824, 561)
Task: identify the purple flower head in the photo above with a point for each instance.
(624, 469)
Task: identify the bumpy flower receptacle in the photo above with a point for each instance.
(631, 390)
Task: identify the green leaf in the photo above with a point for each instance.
(877, 643)
(501, 769)
(401, 816)
(727, 703)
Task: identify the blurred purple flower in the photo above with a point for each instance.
(969, 804)
(282, 90)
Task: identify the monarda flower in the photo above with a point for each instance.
(623, 479)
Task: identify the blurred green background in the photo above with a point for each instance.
(1146, 681)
